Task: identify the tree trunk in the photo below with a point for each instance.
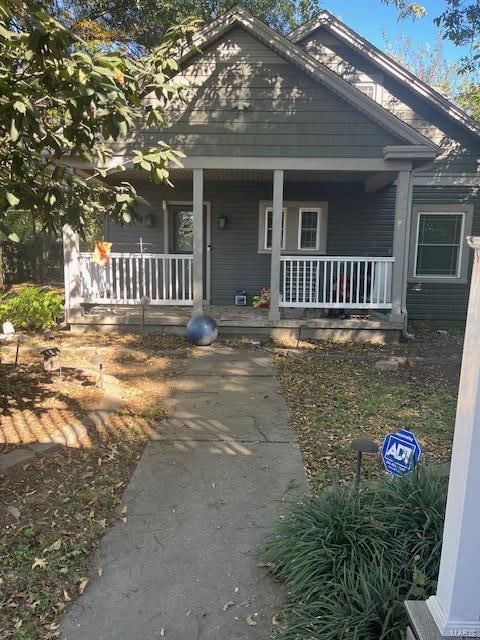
(34, 275)
(2, 273)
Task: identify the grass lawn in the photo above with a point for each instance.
(335, 394)
(55, 509)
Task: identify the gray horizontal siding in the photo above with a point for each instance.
(461, 151)
(358, 224)
(247, 101)
(437, 301)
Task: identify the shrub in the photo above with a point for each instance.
(349, 559)
(31, 308)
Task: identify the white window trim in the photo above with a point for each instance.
(466, 210)
(460, 245)
(374, 80)
(318, 211)
(284, 228)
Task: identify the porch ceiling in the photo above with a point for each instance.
(255, 175)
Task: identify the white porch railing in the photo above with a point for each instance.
(164, 278)
(336, 282)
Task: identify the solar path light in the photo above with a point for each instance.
(361, 446)
(98, 360)
(144, 301)
(51, 359)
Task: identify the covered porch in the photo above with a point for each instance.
(353, 272)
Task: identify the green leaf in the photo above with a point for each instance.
(12, 199)
(19, 106)
(14, 135)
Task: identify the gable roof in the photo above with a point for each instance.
(388, 65)
(420, 146)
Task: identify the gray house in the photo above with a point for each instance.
(316, 167)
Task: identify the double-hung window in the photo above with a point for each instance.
(304, 227)
(269, 227)
(439, 244)
(308, 229)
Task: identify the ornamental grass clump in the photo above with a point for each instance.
(349, 559)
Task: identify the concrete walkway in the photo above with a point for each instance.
(200, 503)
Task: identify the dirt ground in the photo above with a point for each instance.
(335, 393)
(54, 509)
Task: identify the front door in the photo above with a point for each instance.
(181, 237)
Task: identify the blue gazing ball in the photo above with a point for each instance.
(202, 330)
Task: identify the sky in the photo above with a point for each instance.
(370, 18)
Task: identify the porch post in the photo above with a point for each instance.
(274, 313)
(403, 207)
(71, 270)
(197, 240)
(456, 605)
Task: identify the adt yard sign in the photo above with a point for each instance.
(400, 452)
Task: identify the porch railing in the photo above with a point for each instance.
(336, 282)
(164, 278)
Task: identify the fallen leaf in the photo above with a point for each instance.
(264, 563)
(13, 511)
(82, 585)
(100, 571)
(66, 597)
(55, 546)
(227, 605)
(40, 563)
(124, 509)
(251, 621)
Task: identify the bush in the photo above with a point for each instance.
(349, 559)
(32, 308)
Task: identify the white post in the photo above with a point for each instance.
(274, 313)
(456, 606)
(403, 208)
(71, 270)
(197, 240)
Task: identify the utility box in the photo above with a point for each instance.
(240, 298)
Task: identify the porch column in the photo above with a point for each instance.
(71, 270)
(401, 232)
(456, 605)
(274, 313)
(197, 240)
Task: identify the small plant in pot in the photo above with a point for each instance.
(263, 300)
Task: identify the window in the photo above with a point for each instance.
(439, 244)
(182, 230)
(308, 229)
(304, 226)
(368, 88)
(268, 227)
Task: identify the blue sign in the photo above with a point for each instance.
(400, 452)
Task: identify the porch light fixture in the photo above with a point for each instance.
(222, 223)
(148, 220)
